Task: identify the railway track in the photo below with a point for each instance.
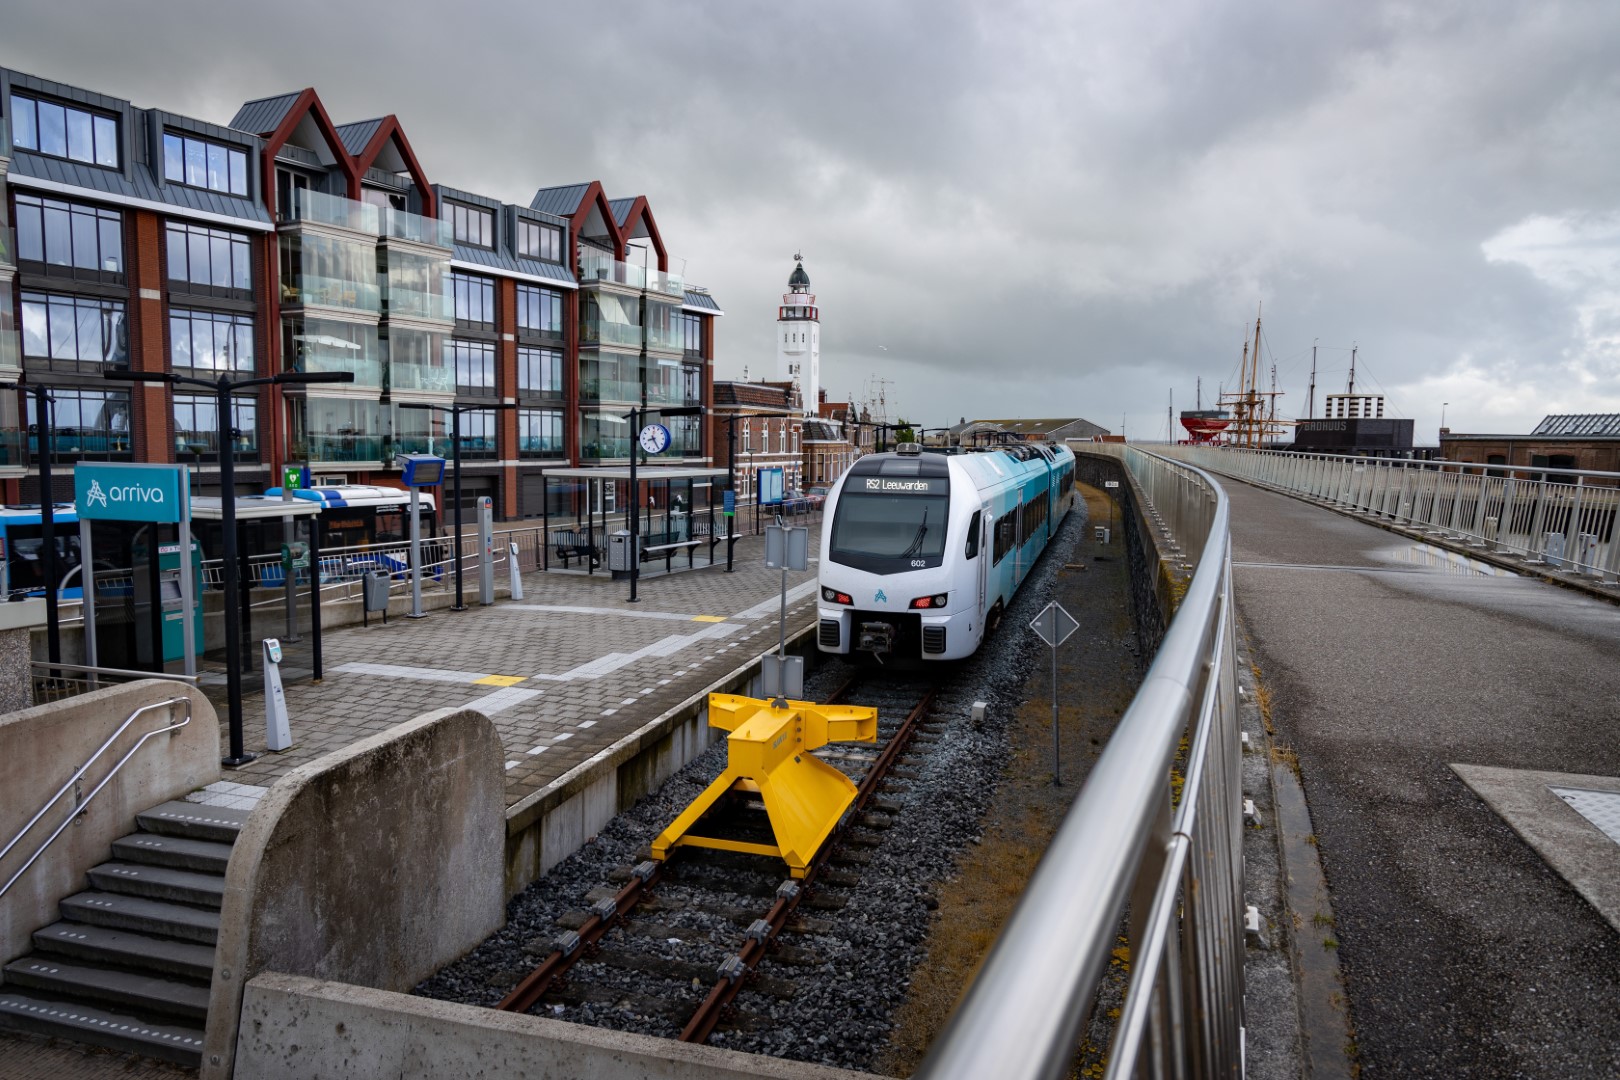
(692, 932)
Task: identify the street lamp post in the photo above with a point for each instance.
(455, 412)
(47, 528)
(223, 388)
(635, 418)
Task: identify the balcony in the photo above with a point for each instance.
(597, 266)
(367, 373)
(413, 286)
(339, 449)
(399, 225)
(8, 245)
(70, 444)
(422, 378)
(659, 281)
(318, 208)
(10, 355)
(599, 331)
(325, 271)
(196, 446)
(5, 145)
(312, 344)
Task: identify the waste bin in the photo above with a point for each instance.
(376, 590)
(620, 553)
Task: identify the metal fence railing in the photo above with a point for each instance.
(53, 682)
(1566, 519)
(1131, 841)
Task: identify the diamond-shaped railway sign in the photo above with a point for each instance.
(1054, 625)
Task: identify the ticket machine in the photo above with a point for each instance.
(170, 601)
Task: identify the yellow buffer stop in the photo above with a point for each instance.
(768, 751)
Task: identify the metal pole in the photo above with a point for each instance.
(233, 615)
(731, 486)
(1057, 779)
(47, 525)
(87, 578)
(315, 594)
(455, 452)
(188, 594)
(635, 497)
(416, 556)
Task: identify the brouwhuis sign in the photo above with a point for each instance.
(131, 492)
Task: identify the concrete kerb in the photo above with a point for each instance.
(296, 904)
(294, 1026)
(549, 825)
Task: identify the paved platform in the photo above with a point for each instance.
(563, 673)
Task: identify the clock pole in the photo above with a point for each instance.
(635, 504)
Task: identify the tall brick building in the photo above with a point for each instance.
(136, 238)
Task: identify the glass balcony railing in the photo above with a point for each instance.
(606, 447)
(5, 139)
(367, 373)
(338, 448)
(315, 290)
(11, 448)
(8, 246)
(418, 303)
(10, 351)
(663, 337)
(421, 377)
(70, 444)
(322, 209)
(627, 390)
(204, 445)
(423, 230)
(603, 332)
(597, 266)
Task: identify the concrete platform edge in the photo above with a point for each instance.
(297, 1026)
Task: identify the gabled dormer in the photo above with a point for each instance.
(589, 215)
(381, 145)
(299, 134)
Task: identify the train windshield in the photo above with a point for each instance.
(890, 533)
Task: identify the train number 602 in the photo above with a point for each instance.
(918, 564)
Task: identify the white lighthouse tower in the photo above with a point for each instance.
(798, 339)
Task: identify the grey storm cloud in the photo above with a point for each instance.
(1037, 209)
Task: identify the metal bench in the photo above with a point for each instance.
(665, 544)
(574, 545)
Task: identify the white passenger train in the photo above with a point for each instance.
(920, 551)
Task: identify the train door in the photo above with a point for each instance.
(982, 523)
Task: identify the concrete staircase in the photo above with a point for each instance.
(129, 964)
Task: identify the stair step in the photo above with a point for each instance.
(147, 994)
(98, 944)
(170, 1040)
(145, 916)
(179, 852)
(195, 820)
(159, 883)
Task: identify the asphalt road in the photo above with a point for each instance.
(1464, 954)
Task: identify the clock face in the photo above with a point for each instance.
(655, 438)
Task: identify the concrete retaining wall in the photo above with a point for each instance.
(40, 748)
(302, 1027)
(374, 865)
(1157, 582)
(554, 822)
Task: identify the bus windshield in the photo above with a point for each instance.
(889, 532)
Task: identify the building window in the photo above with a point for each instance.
(475, 299)
(73, 328)
(86, 425)
(537, 241)
(59, 233)
(198, 162)
(539, 372)
(691, 385)
(196, 427)
(210, 340)
(539, 311)
(689, 328)
(540, 433)
(469, 224)
(474, 363)
(63, 131)
(211, 257)
(478, 434)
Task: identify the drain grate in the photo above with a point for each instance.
(1601, 808)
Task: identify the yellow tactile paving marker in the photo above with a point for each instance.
(768, 752)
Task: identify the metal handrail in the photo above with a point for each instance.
(1127, 841)
(79, 774)
(125, 673)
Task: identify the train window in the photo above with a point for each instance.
(972, 550)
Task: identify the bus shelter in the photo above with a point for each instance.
(678, 510)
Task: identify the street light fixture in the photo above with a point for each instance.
(455, 412)
(223, 387)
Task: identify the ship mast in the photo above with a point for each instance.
(1310, 398)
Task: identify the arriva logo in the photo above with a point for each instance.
(880, 598)
(127, 493)
(95, 494)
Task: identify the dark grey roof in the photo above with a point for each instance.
(106, 181)
(621, 210)
(1606, 424)
(264, 115)
(500, 262)
(563, 201)
(798, 277)
(357, 136)
(821, 429)
(466, 197)
(702, 300)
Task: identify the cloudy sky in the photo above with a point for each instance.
(1015, 209)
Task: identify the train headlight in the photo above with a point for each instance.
(928, 602)
(833, 596)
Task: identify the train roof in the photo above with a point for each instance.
(28, 514)
(356, 495)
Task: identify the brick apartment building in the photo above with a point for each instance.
(134, 238)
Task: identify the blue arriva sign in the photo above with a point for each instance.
(116, 492)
